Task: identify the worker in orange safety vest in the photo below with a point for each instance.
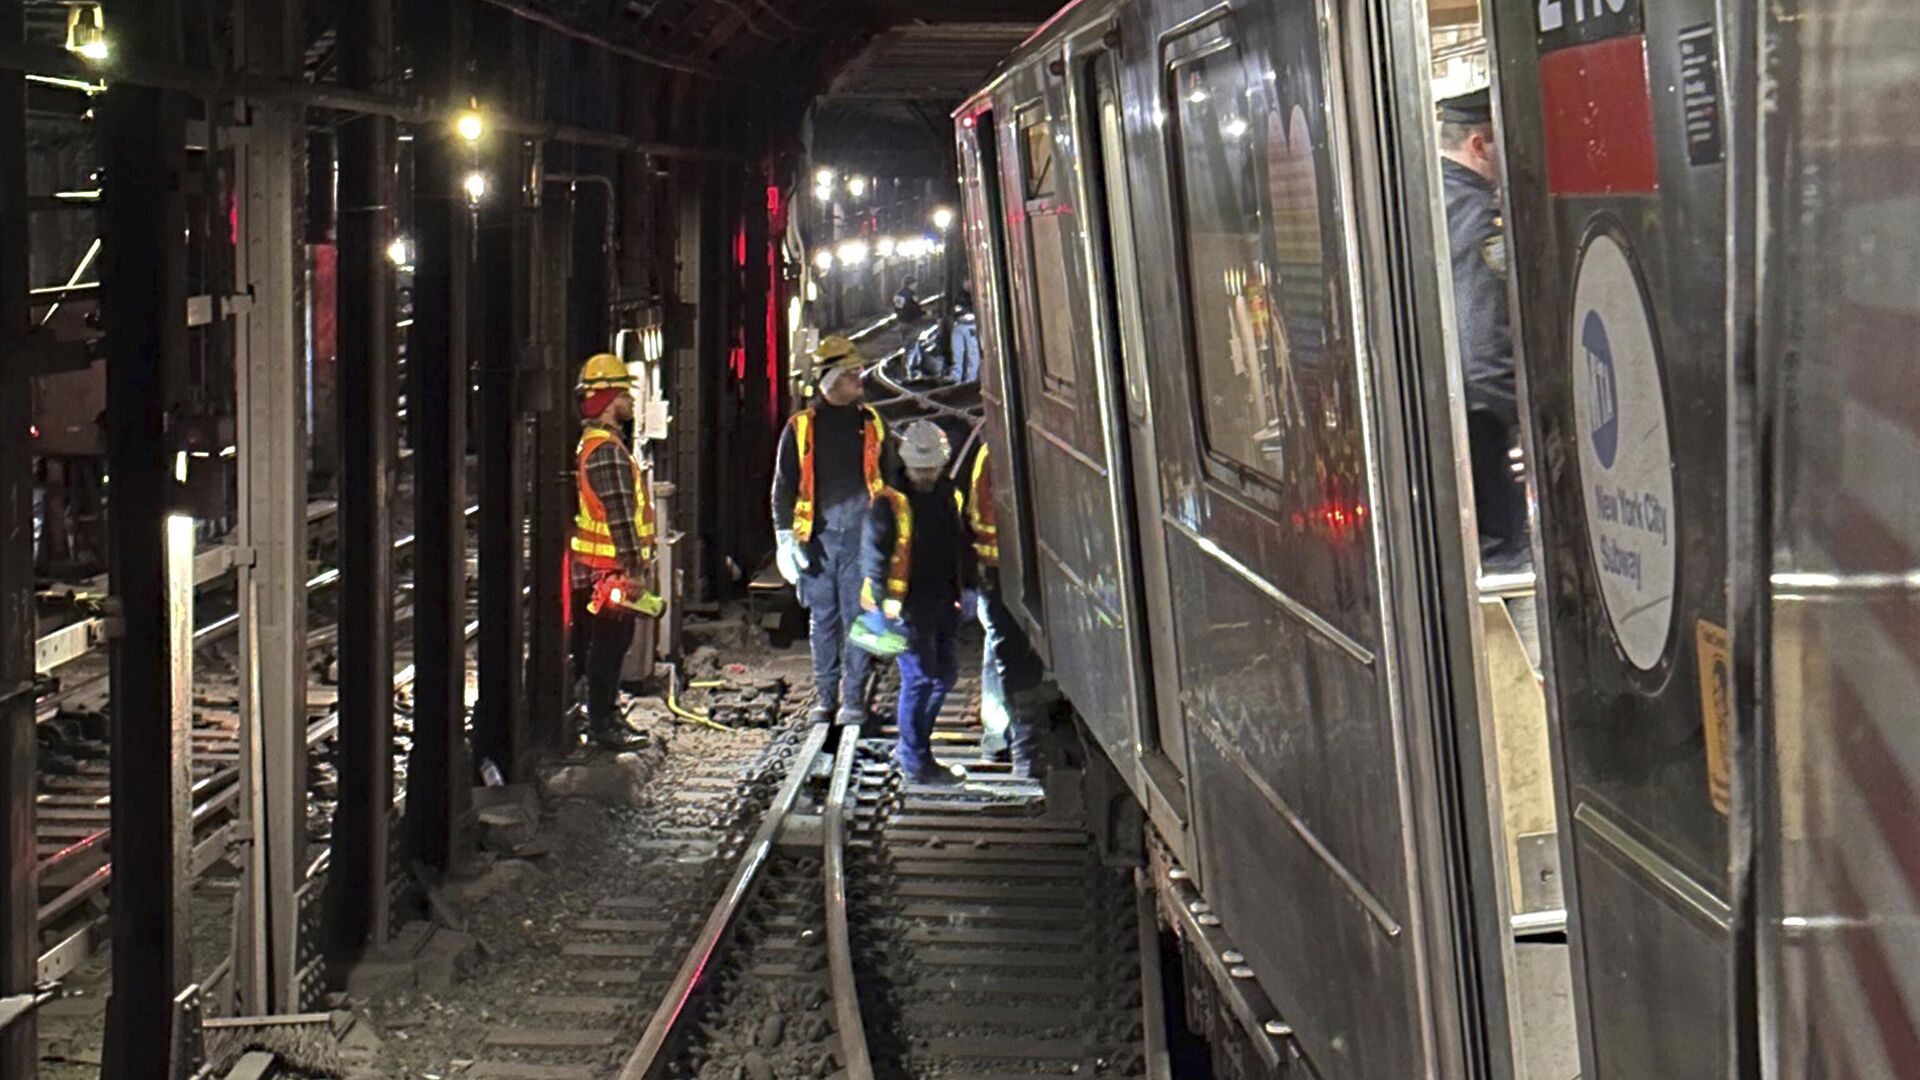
(828, 467)
(612, 547)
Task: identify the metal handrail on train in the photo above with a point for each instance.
(650, 1058)
(857, 1063)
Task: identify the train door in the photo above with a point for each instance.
(1614, 144)
(999, 380)
(1122, 360)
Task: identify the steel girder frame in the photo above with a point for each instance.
(19, 901)
(358, 877)
(437, 771)
(143, 288)
(270, 396)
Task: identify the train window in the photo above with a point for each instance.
(1047, 251)
(1036, 146)
(1240, 352)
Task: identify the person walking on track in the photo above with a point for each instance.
(827, 469)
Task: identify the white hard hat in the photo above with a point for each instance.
(924, 446)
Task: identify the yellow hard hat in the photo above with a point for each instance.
(604, 371)
(836, 349)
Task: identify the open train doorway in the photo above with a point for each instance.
(1487, 408)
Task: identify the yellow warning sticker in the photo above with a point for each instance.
(1714, 647)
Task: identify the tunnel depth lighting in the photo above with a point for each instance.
(470, 126)
(400, 252)
(856, 186)
(823, 177)
(852, 252)
(475, 186)
(823, 260)
(884, 247)
(942, 218)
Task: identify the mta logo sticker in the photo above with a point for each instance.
(1603, 402)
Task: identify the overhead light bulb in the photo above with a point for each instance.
(884, 247)
(470, 125)
(853, 252)
(824, 177)
(823, 259)
(87, 32)
(856, 186)
(400, 253)
(475, 186)
(942, 218)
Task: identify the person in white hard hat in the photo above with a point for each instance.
(915, 563)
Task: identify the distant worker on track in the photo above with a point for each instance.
(915, 565)
(908, 315)
(965, 343)
(612, 547)
(1470, 170)
(827, 469)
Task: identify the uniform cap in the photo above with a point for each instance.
(1475, 107)
(924, 446)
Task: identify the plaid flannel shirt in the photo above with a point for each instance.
(610, 471)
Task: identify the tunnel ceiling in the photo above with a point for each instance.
(886, 74)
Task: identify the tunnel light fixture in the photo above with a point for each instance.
(823, 177)
(400, 252)
(1235, 127)
(852, 252)
(475, 186)
(943, 218)
(470, 125)
(87, 32)
(823, 260)
(856, 186)
(884, 247)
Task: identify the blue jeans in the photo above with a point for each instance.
(1006, 667)
(927, 671)
(966, 352)
(831, 588)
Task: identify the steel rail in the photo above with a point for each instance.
(857, 1064)
(655, 1051)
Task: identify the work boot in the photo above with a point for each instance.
(937, 775)
(615, 737)
(820, 714)
(851, 717)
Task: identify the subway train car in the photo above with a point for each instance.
(1209, 251)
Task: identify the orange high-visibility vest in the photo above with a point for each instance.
(593, 545)
(900, 564)
(874, 439)
(980, 512)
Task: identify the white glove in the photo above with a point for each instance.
(790, 555)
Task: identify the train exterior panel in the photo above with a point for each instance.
(1207, 142)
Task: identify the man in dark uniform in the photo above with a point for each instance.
(1470, 170)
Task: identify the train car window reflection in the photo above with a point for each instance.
(1240, 342)
(1036, 143)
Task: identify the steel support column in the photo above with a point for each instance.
(437, 404)
(358, 880)
(552, 467)
(143, 289)
(18, 900)
(271, 406)
(499, 331)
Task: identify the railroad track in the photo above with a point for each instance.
(74, 802)
(874, 930)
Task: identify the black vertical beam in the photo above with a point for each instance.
(18, 937)
(497, 331)
(143, 289)
(547, 680)
(436, 400)
(357, 883)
